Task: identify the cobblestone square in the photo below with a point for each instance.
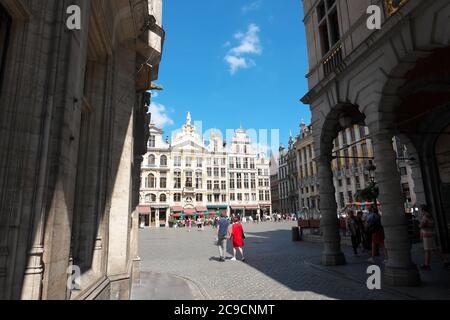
(276, 268)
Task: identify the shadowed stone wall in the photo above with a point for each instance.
(73, 105)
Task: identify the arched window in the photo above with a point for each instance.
(150, 181)
(151, 160)
(149, 198)
(162, 198)
(163, 160)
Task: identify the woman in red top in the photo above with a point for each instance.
(237, 235)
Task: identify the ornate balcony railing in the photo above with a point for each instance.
(333, 60)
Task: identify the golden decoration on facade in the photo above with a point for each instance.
(394, 5)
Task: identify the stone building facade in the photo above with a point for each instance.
(352, 153)
(285, 185)
(274, 183)
(309, 201)
(188, 177)
(74, 125)
(393, 81)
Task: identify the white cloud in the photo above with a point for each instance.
(159, 115)
(255, 5)
(249, 43)
(237, 63)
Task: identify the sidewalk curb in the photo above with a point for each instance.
(198, 291)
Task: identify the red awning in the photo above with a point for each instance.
(212, 212)
(201, 209)
(176, 208)
(144, 209)
(188, 212)
(176, 215)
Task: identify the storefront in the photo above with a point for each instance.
(151, 216)
(265, 209)
(217, 210)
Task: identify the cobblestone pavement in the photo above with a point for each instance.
(276, 268)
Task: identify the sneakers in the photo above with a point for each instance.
(233, 259)
(243, 260)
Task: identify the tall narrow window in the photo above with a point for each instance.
(152, 141)
(188, 183)
(328, 19)
(163, 161)
(177, 180)
(198, 180)
(163, 180)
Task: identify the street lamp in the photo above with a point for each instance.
(372, 168)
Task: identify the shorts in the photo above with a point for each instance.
(429, 244)
(378, 237)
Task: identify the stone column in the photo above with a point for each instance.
(332, 254)
(157, 218)
(399, 270)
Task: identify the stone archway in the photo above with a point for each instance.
(339, 117)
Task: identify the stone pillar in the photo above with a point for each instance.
(332, 254)
(399, 270)
(167, 217)
(157, 218)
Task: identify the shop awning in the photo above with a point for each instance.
(176, 215)
(189, 212)
(362, 204)
(217, 207)
(237, 207)
(252, 207)
(144, 209)
(176, 208)
(201, 209)
(213, 212)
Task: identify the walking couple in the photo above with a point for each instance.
(236, 235)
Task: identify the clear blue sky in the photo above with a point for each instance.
(232, 62)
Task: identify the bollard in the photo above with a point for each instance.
(295, 234)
